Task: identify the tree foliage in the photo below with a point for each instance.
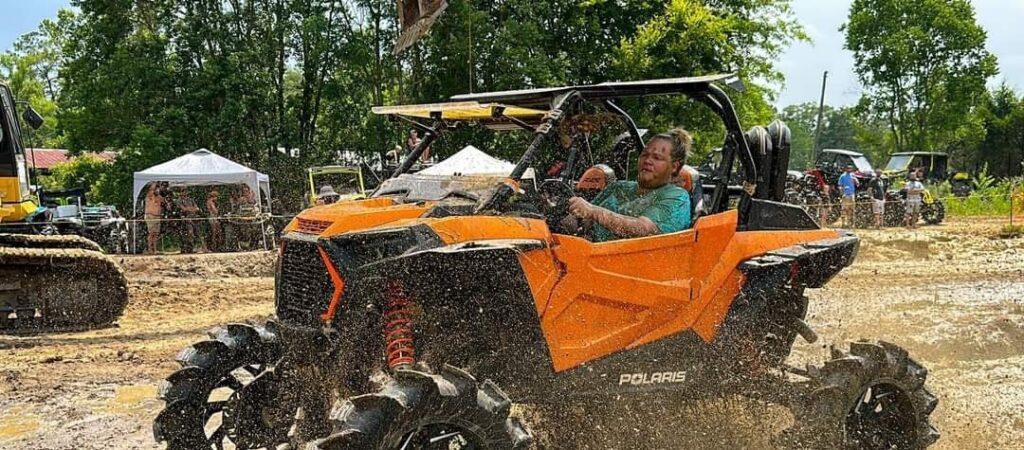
(81, 172)
(154, 79)
(30, 68)
(1002, 116)
(845, 128)
(698, 37)
(924, 65)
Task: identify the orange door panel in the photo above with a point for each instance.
(614, 293)
(619, 295)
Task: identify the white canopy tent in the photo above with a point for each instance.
(471, 161)
(202, 168)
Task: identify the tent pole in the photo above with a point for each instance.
(135, 226)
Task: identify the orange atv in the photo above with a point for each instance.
(417, 317)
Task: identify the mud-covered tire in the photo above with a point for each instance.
(214, 365)
(895, 213)
(415, 405)
(864, 213)
(934, 213)
(873, 397)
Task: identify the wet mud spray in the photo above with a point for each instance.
(953, 295)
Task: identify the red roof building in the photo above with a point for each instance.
(43, 159)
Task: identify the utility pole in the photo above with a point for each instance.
(821, 114)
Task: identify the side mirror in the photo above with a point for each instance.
(32, 118)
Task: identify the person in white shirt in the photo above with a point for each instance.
(915, 190)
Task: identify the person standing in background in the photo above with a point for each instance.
(188, 215)
(413, 142)
(154, 214)
(915, 190)
(213, 242)
(244, 207)
(877, 186)
(848, 184)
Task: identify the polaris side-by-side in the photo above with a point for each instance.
(416, 318)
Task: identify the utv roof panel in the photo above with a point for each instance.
(842, 152)
(616, 89)
(920, 153)
(463, 111)
(322, 170)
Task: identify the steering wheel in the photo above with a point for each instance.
(554, 195)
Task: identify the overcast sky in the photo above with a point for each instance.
(802, 64)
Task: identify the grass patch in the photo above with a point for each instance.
(1011, 231)
(990, 198)
(978, 205)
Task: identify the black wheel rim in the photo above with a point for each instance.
(441, 436)
(883, 418)
(221, 405)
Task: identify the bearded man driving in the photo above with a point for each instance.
(650, 206)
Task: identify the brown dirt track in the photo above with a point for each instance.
(952, 294)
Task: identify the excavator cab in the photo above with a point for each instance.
(15, 201)
(47, 283)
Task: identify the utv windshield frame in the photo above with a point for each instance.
(541, 111)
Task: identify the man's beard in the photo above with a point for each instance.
(648, 184)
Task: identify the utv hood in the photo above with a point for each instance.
(349, 216)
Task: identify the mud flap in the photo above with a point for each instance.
(806, 265)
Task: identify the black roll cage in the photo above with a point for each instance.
(559, 99)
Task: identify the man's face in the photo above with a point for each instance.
(656, 165)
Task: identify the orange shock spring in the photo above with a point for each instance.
(398, 330)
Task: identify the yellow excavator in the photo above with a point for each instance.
(47, 283)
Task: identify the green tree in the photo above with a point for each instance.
(31, 69)
(158, 78)
(18, 72)
(692, 37)
(842, 128)
(1002, 150)
(81, 172)
(924, 64)
(802, 120)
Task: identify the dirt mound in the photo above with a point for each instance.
(219, 265)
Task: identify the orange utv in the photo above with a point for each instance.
(417, 318)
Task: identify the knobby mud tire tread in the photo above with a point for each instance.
(204, 364)
(820, 418)
(380, 420)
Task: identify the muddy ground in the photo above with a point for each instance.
(953, 295)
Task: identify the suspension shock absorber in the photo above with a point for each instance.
(398, 329)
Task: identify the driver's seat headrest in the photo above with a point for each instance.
(688, 178)
(596, 178)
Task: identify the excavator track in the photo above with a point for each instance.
(38, 241)
(57, 284)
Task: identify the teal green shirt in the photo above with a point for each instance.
(668, 207)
